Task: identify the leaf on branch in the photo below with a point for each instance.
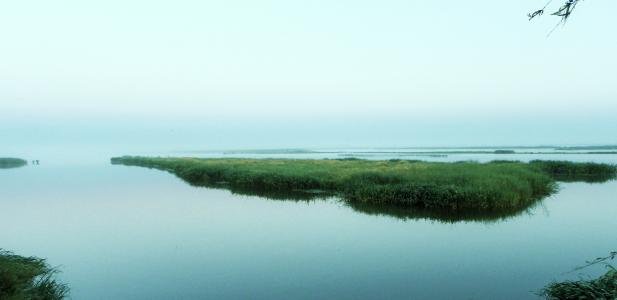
(596, 261)
(535, 14)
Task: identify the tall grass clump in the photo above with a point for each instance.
(28, 278)
(423, 185)
(9, 162)
(604, 287)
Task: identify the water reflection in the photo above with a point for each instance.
(398, 212)
(595, 179)
(442, 216)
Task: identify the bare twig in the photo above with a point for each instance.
(564, 11)
(596, 261)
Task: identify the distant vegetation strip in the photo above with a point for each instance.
(498, 185)
(28, 278)
(270, 151)
(578, 148)
(524, 150)
(9, 162)
(560, 151)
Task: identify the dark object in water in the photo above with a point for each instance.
(9, 162)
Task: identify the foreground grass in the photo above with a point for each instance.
(6, 163)
(429, 185)
(604, 287)
(28, 278)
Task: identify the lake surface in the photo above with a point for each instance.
(122, 232)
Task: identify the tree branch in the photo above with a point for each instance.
(563, 12)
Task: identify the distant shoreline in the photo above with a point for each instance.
(513, 150)
(9, 162)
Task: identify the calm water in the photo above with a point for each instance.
(132, 233)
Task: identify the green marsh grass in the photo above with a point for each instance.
(604, 287)
(504, 152)
(28, 278)
(495, 186)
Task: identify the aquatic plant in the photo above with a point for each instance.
(28, 278)
(604, 287)
(504, 152)
(425, 185)
(9, 162)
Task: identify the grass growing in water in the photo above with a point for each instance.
(427, 185)
(504, 152)
(604, 287)
(28, 278)
(6, 163)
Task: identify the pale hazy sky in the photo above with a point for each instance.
(472, 71)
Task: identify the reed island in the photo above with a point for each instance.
(498, 185)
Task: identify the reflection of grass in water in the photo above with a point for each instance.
(8, 162)
(399, 212)
(441, 215)
(28, 278)
(293, 195)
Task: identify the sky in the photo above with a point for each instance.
(275, 73)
